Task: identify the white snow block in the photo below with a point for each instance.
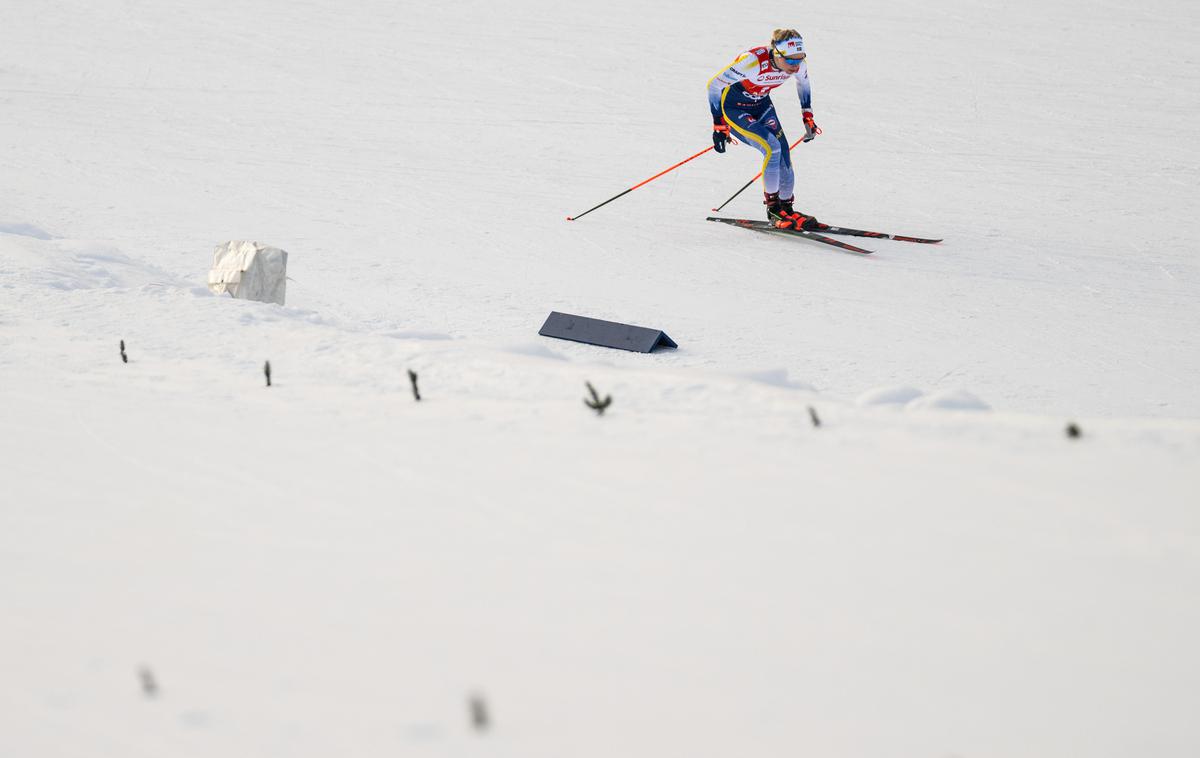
(249, 271)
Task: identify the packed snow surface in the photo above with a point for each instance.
(844, 518)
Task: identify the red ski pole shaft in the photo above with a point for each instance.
(752, 181)
(631, 189)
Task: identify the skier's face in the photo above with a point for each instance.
(789, 65)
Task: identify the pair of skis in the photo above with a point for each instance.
(770, 228)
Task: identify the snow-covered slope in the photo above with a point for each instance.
(327, 566)
(418, 188)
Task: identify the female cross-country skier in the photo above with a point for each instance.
(740, 99)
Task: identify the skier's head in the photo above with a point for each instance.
(787, 49)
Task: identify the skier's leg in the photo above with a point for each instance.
(773, 130)
(787, 174)
(748, 128)
(743, 125)
(753, 131)
(787, 188)
(769, 124)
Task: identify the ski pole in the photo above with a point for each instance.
(752, 181)
(631, 189)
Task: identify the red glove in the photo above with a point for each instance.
(811, 130)
(721, 135)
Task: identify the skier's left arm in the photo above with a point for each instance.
(804, 90)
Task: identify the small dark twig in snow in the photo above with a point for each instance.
(595, 403)
(149, 685)
(812, 414)
(480, 719)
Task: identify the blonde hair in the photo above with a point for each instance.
(781, 34)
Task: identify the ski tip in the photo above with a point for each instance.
(570, 219)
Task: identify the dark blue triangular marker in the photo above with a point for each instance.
(593, 331)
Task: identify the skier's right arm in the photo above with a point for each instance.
(741, 68)
(731, 74)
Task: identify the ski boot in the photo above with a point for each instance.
(799, 220)
(775, 213)
(775, 210)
